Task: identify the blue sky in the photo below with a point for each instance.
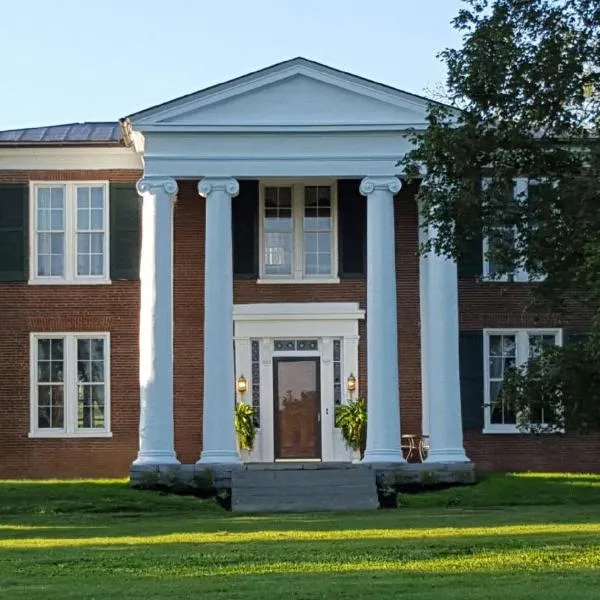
(94, 60)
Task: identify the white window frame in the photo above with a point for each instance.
(298, 275)
(522, 356)
(70, 383)
(70, 276)
(519, 275)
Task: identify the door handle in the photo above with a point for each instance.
(319, 417)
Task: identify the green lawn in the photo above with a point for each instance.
(509, 537)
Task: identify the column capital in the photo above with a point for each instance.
(208, 185)
(153, 185)
(387, 184)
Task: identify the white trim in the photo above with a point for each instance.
(297, 281)
(322, 321)
(522, 355)
(314, 311)
(161, 117)
(298, 186)
(70, 234)
(69, 159)
(70, 429)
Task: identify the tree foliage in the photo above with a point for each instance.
(524, 102)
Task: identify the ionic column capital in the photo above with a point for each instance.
(154, 185)
(385, 184)
(208, 185)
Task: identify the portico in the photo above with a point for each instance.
(261, 127)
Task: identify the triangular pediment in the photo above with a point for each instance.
(296, 94)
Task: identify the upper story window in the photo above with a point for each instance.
(298, 232)
(69, 242)
(507, 237)
(503, 350)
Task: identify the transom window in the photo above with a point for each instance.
(298, 232)
(70, 385)
(506, 349)
(70, 232)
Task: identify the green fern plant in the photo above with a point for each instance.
(244, 425)
(351, 419)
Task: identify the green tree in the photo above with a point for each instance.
(524, 102)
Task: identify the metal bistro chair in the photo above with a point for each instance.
(415, 446)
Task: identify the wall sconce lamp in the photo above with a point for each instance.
(351, 384)
(242, 385)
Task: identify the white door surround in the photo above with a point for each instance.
(324, 322)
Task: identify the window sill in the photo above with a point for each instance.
(268, 281)
(505, 279)
(69, 281)
(503, 430)
(64, 435)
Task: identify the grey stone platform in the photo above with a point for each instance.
(306, 486)
(304, 489)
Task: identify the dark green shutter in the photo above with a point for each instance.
(352, 229)
(471, 378)
(244, 217)
(470, 260)
(125, 235)
(14, 251)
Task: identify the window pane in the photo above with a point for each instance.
(83, 197)
(97, 197)
(97, 349)
(57, 349)
(96, 243)
(83, 349)
(97, 220)
(83, 219)
(96, 264)
(83, 264)
(496, 408)
(43, 349)
(495, 367)
(57, 195)
(57, 265)
(537, 343)
(90, 217)
(50, 406)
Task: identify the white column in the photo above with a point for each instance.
(218, 434)
(383, 423)
(156, 322)
(442, 365)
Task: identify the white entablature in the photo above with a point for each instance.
(296, 118)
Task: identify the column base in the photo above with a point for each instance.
(383, 456)
(447, 455)
(219, 457)
(155, 457)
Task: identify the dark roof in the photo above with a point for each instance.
(80, 134)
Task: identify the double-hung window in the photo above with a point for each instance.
(508, 237)
(504, 350)
(70, 385)
(69, 242)
(298, 232)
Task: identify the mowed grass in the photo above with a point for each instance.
(514, 536)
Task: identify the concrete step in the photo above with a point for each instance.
(303, 490)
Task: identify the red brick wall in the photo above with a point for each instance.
(115, 308)
(50, 308)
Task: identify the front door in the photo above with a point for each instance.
(297, 396)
